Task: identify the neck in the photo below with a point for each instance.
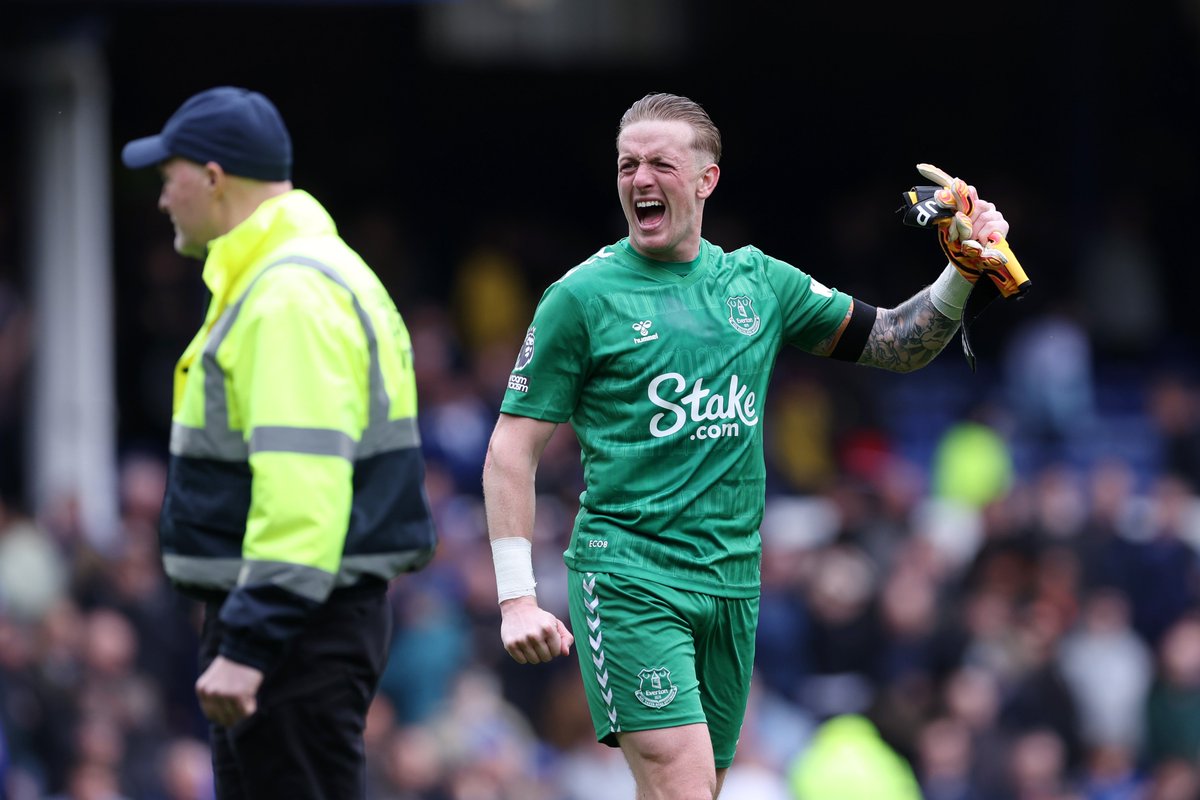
(680, 254)
(244, 196)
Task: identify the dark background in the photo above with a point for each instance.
(1059, 111)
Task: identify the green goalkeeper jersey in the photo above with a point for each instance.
(662, 370)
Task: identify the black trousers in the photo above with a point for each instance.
(305, 741)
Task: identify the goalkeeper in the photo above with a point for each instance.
(658, 350)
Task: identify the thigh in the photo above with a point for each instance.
(227, 776)
(309, 747)
(305, 739)
(671, 762)
(725, 663)
(636, 655)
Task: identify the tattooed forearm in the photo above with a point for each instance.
(907, 337)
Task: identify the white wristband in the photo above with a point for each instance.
(949, 292)
(512, 558)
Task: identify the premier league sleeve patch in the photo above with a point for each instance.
(526, 354)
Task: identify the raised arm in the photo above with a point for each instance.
(530, 634)
(907, 337)
(910, 335)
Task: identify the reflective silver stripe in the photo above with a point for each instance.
(205, 443)
(308, 582)
(394, 434)
(377, 565)
(207, 573)
(219, 441)
(224, 574)
(312, 441)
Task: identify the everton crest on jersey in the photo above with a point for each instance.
(742, 315)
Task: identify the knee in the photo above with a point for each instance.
(666, 775)
(691, 789)
(672, 763)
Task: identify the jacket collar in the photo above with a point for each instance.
(233, 258)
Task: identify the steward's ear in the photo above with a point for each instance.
(214, 173)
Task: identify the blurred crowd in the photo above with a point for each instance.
(991, 590)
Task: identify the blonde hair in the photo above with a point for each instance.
(670, 108)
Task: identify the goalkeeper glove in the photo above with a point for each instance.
(947, 208)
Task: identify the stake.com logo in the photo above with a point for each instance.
(723, 411)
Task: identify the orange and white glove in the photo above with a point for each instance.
(970, 231)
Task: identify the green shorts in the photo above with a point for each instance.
(657, 657)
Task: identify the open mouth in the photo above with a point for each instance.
(650, 212)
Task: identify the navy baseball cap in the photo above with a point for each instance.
(239, 129)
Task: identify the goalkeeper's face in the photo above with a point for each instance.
(662, 181)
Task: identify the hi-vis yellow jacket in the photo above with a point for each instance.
(296, 466)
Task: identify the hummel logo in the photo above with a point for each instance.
(643, 328)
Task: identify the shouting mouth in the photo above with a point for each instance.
(650, 213)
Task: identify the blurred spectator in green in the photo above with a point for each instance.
(1173, 708)
(429, 650)
(971, 465)
(847, 760)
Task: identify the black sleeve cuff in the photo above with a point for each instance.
(259, 620)
(260, 654)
